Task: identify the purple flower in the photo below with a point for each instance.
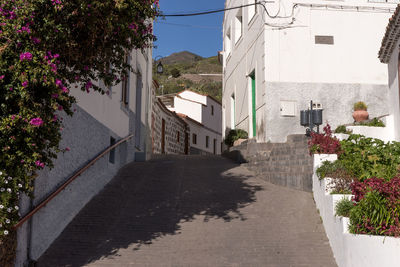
(39, 163)
(2, 77)
(59, 82)
(88, 85)
(35, 40)
(36, 122)
(25, 84)
(25, 56)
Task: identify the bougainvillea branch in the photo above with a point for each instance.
(46, 47)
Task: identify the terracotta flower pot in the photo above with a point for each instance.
(360, 115)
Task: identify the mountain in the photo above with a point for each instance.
(181, 57)
(185, 70)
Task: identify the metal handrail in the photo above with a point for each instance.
(70, 180)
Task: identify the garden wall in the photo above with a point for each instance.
(385, 134)
(350, 249)
(173, 126)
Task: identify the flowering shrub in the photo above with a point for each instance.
(47, 46)
(324, 143)
(367, 157)
(377, 209)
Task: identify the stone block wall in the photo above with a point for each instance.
(175, 131)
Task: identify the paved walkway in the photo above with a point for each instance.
(193, 211)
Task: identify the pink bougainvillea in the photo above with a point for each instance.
(36, 122)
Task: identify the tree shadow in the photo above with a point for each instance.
(148, 200)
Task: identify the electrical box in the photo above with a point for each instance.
(288, 108)
(315, 106)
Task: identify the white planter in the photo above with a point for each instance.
(319, 158)
(383, 133)
(351, 250)
(341, 136)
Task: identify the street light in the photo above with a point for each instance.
(160, 67)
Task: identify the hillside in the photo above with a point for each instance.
(186, 70)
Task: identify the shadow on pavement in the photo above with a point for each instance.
(148, 200)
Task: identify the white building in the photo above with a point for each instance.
(98, 122)
(390, 54)
(203, 115)
(278, 58)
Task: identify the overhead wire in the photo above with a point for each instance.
(262, 3)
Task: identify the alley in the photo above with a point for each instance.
(193, 211)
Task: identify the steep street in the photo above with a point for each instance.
(193, 211)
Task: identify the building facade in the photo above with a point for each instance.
(280, 55)
(98, 122)
(389, 54)
(203, 115)
(169, 132)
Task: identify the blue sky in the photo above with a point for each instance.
(201, 35)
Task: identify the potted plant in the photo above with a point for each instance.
(360, 111)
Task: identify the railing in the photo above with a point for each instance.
(70, 180)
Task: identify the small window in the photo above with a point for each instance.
(207, 141)
(238, 26)
(212, 110)
(177, 136)
(194, 139)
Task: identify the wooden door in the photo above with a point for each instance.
(215, 146)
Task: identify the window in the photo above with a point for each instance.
(228, 42)
(194, 139)
(177, 136)
(207, 141)
(251, 10)
(238, 26)
(125, 85)
(212, 110)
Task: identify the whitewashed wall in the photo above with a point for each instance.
(87, 133)
(394, 87)
(289, 66)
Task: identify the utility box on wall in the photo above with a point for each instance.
(288, 108)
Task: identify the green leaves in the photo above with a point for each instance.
(44, 50)
(367, 157)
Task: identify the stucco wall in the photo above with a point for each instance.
(87, 133)
(289, 65)
(394, 87)
(201, 133)
(337, 101)
(86, 138)
(212, 121)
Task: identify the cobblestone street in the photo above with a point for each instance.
(193, 211)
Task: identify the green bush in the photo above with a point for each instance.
(343, 207)
(341, 178)
(360, 106)
(373, 123)
(234, 135)
(175, 73)
(370, 214)
(342, 129)
(368, 157)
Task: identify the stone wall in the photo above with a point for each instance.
(175, 130)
